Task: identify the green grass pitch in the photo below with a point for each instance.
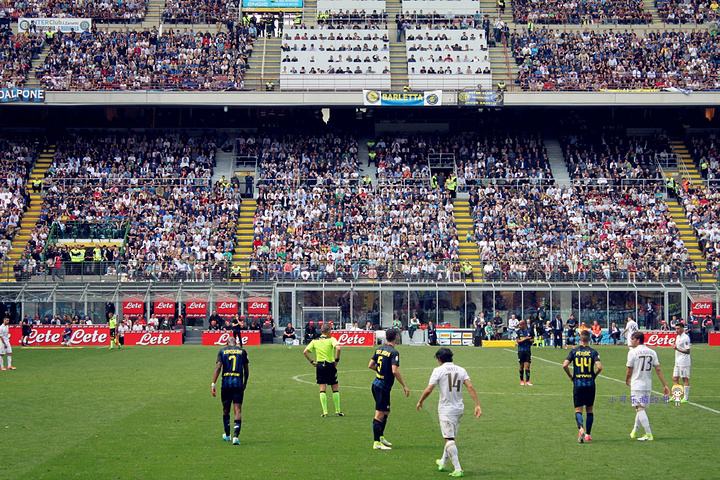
(146, 413)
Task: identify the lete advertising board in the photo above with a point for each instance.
(220, 338)
(52, 336)
(354, 338)
(155, 339)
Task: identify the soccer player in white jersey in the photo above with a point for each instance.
(630, 327)
(640, 363)
(5, 347)
(682, 360)
(449, 378)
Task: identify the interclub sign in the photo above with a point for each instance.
(218, 338)
(164, 308)
(133, 307)
(227, 308)
(701, 309)
(52, 336)
(258, 306)
(352, 338)
(153, 338)
(196, 308)
(660, 339)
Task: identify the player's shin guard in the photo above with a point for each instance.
(336, 402)
(377, 429)
(226, 424)
(527, 375)
(579, 419)
(383, 422)
(236, 428)
(686, 392)
(452, 453)
(521, 374)
(323, 402)
(589, 424)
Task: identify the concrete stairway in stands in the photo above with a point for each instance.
(687, 169)
(309, 13)
(468, 250)
(398, 53)
(244, 238)
(153, 16)
(30, 217)
(264, 64)
(33, 81)
(489, 7)
(502, 66)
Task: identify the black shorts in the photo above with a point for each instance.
(112, 333)
(382, 398)
(232, 395)
(326, 373)
(584, 396)
(524, 357)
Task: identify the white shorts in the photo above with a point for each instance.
(449, 425)
(640, 398)
(681, 371)
(5, 350)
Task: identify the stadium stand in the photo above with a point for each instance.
(622, 12)
(194, 11)
(147, 60)
(705, 150)
(16, 55)
(555, 60)
(688, 11)
(439, 7)
(577, 234)
(98, 10)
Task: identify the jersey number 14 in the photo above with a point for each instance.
(453, 382)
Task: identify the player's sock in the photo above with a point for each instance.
(444, 457)
(589, 423)
(686, 392)
(579, 419)
(452, 453)
(9, 361)
(644, 421)
(2, 361)
(323, 402)
(377, 429)
(336, 402)
(384, 424)
(637, 420)
(236, 428)
(527, 375)
(521, 374)
(226, 424)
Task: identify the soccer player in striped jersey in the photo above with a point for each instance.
(233, 362)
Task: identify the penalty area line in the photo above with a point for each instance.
(702, 407)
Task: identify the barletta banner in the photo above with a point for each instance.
(65, 25)
(378, 98)
(480, 98)
(27, 95)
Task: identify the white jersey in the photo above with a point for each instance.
(449, 379)
(643, 361)
(683, 342)
(630, 328)
(5, 333)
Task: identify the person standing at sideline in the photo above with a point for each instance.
(5, 347)
(327, 356)
(681, 370)
(449, 378)
(631, 327)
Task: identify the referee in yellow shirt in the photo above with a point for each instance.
(327, 356)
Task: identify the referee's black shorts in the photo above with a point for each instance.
(524, 357)
(584, 396)
(112, 333)
(382, 398)
(230, 395)
(326, 373)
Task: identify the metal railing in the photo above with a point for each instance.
(439, 271)
(139, 182)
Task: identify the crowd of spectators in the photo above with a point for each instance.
(702, 208)
(147, 60)
(556, 60)
(607, 157)
(705, 150)
(342, 233)
(157, 187)
(98, 10)
(16, 158)
(577, 234)
(194, 11)
(358, 19)
(291, 159)
(623, 12)
(688, 11)
(16, 54)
